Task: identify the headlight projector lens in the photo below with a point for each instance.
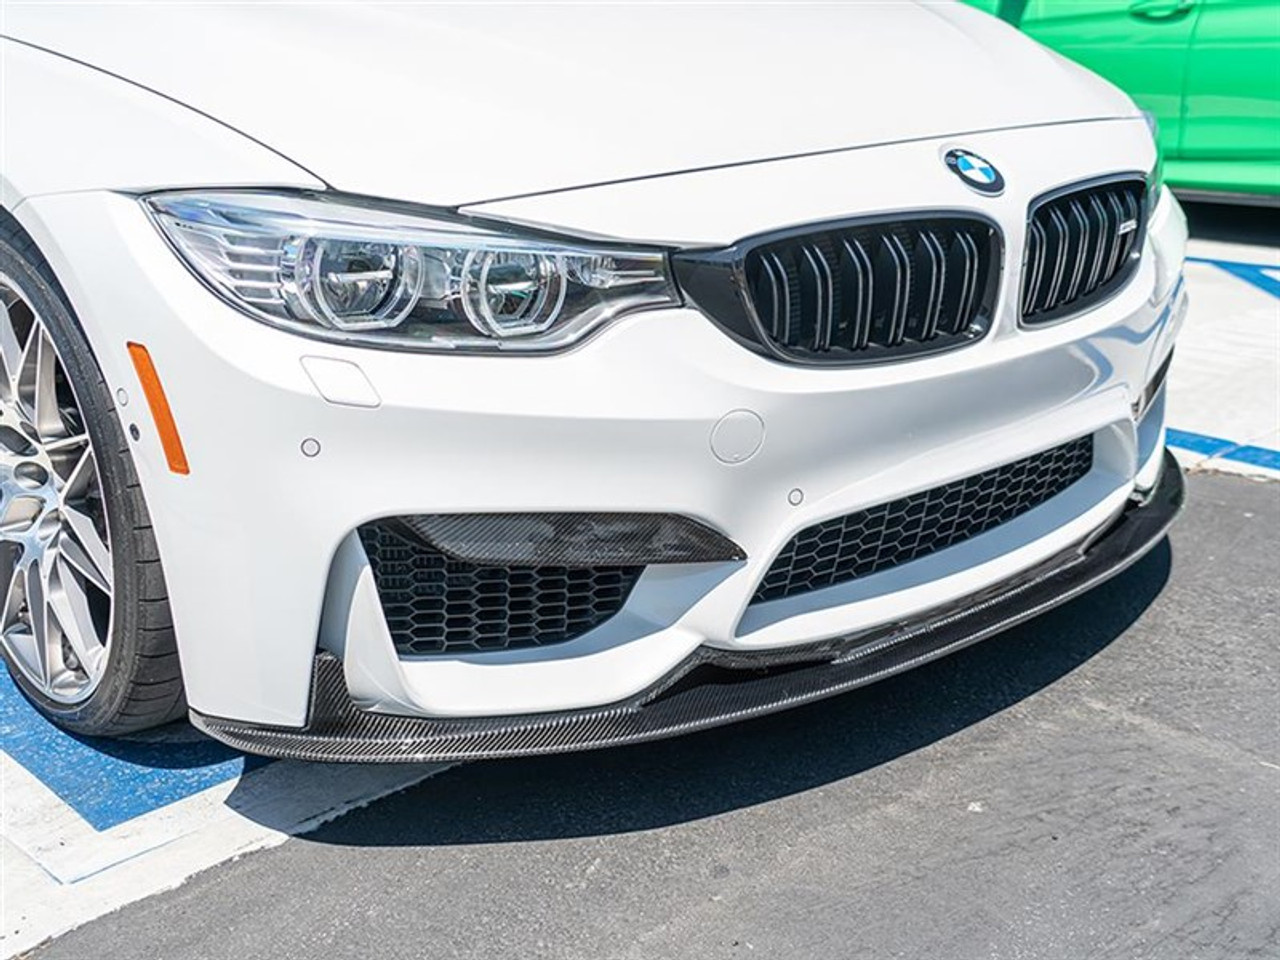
(512, 293)
(353, 285)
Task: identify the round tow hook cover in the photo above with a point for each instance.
(737, 436)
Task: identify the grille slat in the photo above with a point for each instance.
(1059, 224)
(890, 534)
(1081, 246)
(1037, 242)
(1117, 211)
(874, 291)
(776, 294)
(860, 327)
(969, 291)
(824, 295)
(937, 283)
(1098, 218)
(900, 268)
(1079, 227)
(782, 282)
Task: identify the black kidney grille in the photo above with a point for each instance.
(435, 605)
(1081, 247)
(875, 291)
(878, 538)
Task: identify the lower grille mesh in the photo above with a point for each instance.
(436, 605)
(878, 538)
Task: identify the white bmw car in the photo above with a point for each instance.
(406, 383)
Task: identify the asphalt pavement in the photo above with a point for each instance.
(1101, 782)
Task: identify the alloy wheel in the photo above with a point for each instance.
(55, 555)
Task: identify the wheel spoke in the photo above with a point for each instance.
(84, 549)
(70, 606)
(11, 577)
(18, 513)
(25, 378)
(10, 345)
(38, 385)
(38, 616)
(28, 652)
(72, 460)
(82, 476)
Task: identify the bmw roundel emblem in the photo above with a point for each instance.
(975, 172)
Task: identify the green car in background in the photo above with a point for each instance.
(1209, 70)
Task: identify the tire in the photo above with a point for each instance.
(132, 681)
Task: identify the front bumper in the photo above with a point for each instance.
(713, 687)
(262, 560)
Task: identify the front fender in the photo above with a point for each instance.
(68, 127)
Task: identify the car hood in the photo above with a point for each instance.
(451, 104)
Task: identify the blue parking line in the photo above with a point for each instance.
(1225, 449)
(110, 781)
(1256, 274)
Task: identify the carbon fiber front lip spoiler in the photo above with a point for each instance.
(743, 685)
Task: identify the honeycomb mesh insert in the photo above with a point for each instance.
(885, 536)
(435, 605)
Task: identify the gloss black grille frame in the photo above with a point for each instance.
(856, 291)
(887, 535)
(1083, 244)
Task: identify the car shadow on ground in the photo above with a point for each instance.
(677, 781)
(175, 746)
(1232, 223)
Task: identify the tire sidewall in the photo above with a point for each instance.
(115, 473)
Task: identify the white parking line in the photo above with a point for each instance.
(1224, 386)
(58, 872)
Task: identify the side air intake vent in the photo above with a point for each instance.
(470, 583)
(435, 604)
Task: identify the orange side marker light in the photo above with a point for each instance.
(160, 411)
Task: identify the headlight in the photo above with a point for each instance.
(344, 270)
